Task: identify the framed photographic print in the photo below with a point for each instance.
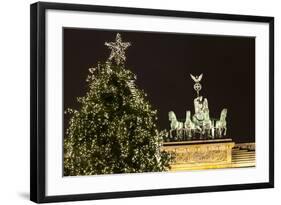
(129, 102)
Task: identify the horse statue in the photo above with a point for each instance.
(175, 124)
(208, 125)
(189, 126)
(221, 123)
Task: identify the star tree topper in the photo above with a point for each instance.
(118, 49)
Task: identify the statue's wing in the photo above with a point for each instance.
(200, 77)
(193, 78)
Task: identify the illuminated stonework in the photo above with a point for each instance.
(200, 154)
(210, 154)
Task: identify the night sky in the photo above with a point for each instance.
(163, 62)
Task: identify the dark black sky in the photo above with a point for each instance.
(163, 62)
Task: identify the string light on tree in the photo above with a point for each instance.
(114, 131)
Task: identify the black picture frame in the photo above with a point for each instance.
(38, 101)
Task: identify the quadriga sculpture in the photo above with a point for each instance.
(198, 125)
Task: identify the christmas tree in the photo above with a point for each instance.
(114, 131)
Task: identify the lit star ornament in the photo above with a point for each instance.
(118, 49)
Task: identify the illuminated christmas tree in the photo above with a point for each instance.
(114, 131)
